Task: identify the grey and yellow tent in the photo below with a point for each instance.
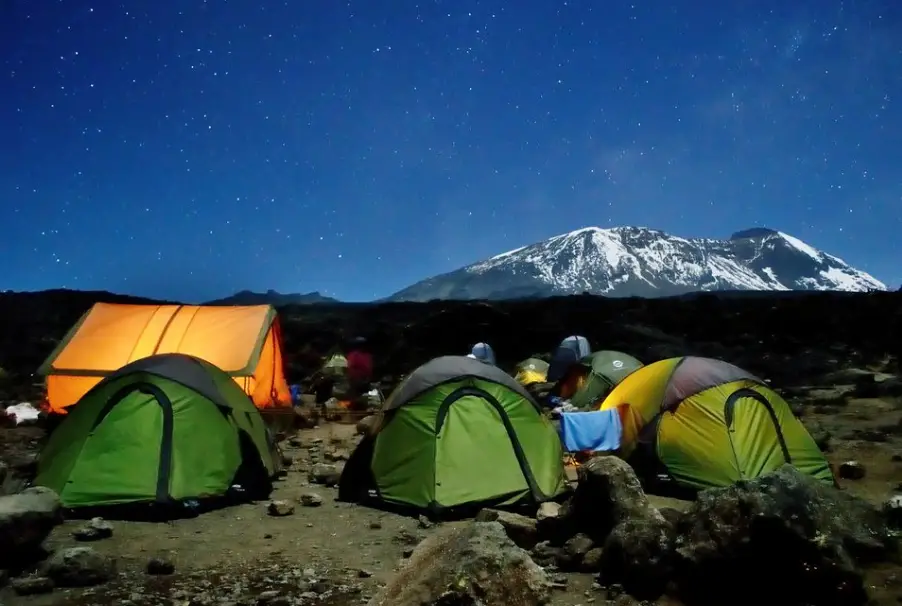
(704, 423)
(337, 364)
(161, 431)
(588, 382)
(457, 433)
(531, 370)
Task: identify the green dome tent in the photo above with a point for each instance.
(457, 434)
(599, 373)
(162, 430)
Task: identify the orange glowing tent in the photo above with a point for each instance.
(243, 341)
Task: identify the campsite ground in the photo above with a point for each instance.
(234, 555)
(341, 552)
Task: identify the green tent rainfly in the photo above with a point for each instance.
(161, 430)
(605, 370)
(457, 433)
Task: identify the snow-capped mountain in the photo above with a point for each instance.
(637, 261)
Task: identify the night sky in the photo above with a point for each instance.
(189, 149)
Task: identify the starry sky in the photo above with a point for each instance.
(189, 149)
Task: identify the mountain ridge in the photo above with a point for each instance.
(641, 261)
(272, 297)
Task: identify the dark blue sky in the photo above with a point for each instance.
(190, 149)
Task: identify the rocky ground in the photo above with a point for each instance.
(306, 548)
(835, 359)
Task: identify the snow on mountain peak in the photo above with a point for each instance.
(801, 246)
(640, 261)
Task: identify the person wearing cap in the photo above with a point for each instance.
(483, 352)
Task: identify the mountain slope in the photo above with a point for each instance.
(637, 261)
(271, 297)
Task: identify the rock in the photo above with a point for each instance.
(548, 509)
(852, 470)
(591, 561)
(821, 436)
(79, 567)
(159, 567)
(339, 454)
(26, 519)
(520, 529)
(279, 508)
(366, 424)
(611, 508)
(892, 508)
(472, 564)
(573, 551)
(33, 585)
(311, 499)
(801, 534)
(325, 474)
(877, 385)
(94, 530)
(673, 516)
(545, 554)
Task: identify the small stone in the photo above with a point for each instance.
(32, 585)
(364, 574)
(280, 508)
(159, 567)
(424, 522)
(325, 474)
(852, 470)
(311, 499)
(94, 530)
(375, 525)
(892, 508)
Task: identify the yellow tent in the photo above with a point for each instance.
(531, 370)
(707, 423)
(244, 341)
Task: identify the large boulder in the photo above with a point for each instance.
(475, 564)
(785, 537)
(26, 519)
(610, 508)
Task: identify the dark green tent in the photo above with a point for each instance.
(457, 433)
(162, 430)
(602, 372)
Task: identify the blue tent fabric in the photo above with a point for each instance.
(483, 352)
(295, 392)
(598, 430)
(569, 352)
